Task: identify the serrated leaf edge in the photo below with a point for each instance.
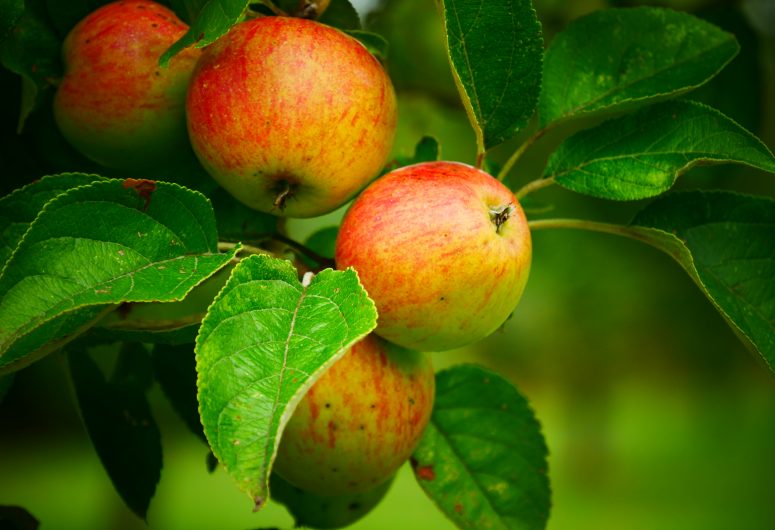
(259, 498)
(557, 177)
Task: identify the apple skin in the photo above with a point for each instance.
(359, 422)
(332, 511)
(290, 116)
(115, 104)
(427, 249)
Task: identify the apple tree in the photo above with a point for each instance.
(162, 150)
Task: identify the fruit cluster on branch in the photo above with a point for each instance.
(295, 118)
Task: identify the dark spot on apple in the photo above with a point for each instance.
(500, 214)
(441, 299)
(459, 508)
(334, 469)
(411, 400)
(363, 427)
(328, 405)
(154, 25)
(157, 73)
(354, 506)
(283, 189)
(373, 406)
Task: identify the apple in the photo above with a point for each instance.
(442, 248)
(115, 104)
(359, 422)
(290, 116)
(330, 511)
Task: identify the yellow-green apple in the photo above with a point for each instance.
(359, 422)
(442, 248)
(290, 116)
(115, 104)
(326, 511)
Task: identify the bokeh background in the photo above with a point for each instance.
(654, 413)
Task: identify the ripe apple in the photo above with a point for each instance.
(330, 511)
(115, 104)
(290, 116)
(442, 248)
(359, 422)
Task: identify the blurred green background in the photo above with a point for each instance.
(654, 413)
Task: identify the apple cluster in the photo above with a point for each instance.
(295, 118)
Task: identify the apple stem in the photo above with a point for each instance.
(500, 214)
(593, 226)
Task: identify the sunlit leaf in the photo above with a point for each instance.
(266, 339)
(94, 246)
(641, 155)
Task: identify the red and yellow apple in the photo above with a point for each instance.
(444, 251)
(115, 104)
(290, 116)
(359, 422)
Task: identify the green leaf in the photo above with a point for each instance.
(175, 370)
(340, 14)
(495, 51)
(30, 47)
(374, 42)
(237, 222)
(482, 459)
(617, 59)
(109, 242)
(187, 10)
(212, 22)
(118, 419)
(642, 154)
(323, 241)
(726, 242)
(266, 339)
(10, 13)
(19, 209)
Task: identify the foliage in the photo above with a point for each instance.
(80, 252)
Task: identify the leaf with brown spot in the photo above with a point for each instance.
(479, 455)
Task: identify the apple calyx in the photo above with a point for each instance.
(284, 189)
(500, 214)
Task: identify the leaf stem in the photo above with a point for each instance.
(583, 224)
(516, 155)
(532, 186)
